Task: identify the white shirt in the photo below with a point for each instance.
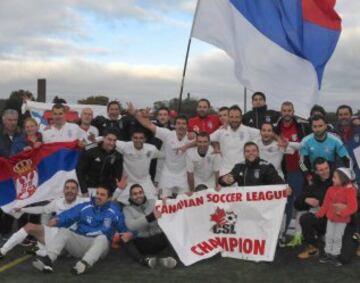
(137, 162)
(232, 145)
(69, 132)
(274, 154)
(174, 170)
(86, 133)
(203, 168)
(56, 206)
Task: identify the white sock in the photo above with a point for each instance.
(14, 240)
(297, 222)
(42, 249)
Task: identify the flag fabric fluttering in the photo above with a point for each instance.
(36, 175)
(279, 47)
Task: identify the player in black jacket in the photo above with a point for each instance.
(260, 113)
(100, 164)
(253, 171)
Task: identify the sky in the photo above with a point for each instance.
(134, 50)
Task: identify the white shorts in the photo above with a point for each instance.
(171, 180)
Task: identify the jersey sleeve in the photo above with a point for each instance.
(215, 136)
(304, 151)
(340, 148)
(162, 133)
(120, 146)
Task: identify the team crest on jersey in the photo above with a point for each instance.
(69, 133)
(26, 179)
(268, 119)
(294, 137)
(241, 135)
(89, 219)
(148, 154)
(210, 125)
(107, 222)
(256, 173)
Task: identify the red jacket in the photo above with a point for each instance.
(209, 124)
(346, 195)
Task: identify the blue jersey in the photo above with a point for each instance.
(94, 220)
(331, 148)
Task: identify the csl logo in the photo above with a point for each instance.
(224, 221)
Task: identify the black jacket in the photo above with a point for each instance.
(123, 127)
(302, 126)
(256, 117)
(317, 190)
(6, 143)
(98, 167)
(256, 173)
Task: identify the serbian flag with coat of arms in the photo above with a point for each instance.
(279, 47)
(36, 175)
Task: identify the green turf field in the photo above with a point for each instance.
(117, 267)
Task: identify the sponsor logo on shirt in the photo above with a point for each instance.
(256, 173)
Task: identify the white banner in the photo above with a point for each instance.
(238, 222)
(42, 111)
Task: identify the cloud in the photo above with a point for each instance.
(52, 39)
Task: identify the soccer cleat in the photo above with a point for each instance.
(168, 262)
(43, 264)
(295, 241)
(150, 262)
(309, 252)
(336, 262)
(325, 258)
(80, 267)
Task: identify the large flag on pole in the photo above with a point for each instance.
(36, 175)
(279, 47)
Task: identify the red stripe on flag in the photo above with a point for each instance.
(322, 13)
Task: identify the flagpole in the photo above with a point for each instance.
(245, 99)
(186, 58)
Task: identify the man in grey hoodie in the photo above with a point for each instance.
(141, 218)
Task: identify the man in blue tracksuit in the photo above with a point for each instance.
(96, 222)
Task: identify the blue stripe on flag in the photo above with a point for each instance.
(7, 192)
(62, 160)
(282, 22)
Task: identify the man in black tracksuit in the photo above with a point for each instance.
(260, 114)
(314, 228)
(253, 171)
(100, 164)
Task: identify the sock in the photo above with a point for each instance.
(14, 240)
(297, 222)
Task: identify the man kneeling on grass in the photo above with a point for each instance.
(96, 222)
(141, 217)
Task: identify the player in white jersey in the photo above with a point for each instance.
(137, 156)
(42, 232)
(202, 164)
(232, 139)
(89, 132)
(60, 130)
(270, 150)
(173, 178)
